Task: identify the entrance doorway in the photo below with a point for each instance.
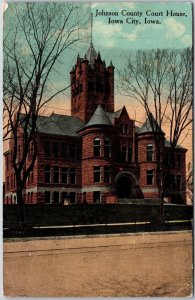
(124, 187)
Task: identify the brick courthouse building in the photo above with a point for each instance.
(96, 154)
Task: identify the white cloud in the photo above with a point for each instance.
(187, 40)
(129, 36)
(177, 30)
(106, 34)
(174, 28)
(106, 29)
(109, 35)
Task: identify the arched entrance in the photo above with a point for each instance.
(124, 187)
(127, 186)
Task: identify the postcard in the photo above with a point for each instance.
(98, 158)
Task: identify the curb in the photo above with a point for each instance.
(25, 239)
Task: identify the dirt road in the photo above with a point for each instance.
(129, 265)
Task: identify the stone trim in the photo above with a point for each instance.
(58, 189)
(149, 190)
(95, 189)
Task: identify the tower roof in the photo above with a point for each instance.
(99, 118)
(91, 54)
(150, 125)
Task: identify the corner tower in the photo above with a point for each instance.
(92, 84)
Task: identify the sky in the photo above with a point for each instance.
(116, 40)
(119, 28)
(170, 31)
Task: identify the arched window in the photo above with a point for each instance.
(107, 148)
(96, 147)
(150, 152)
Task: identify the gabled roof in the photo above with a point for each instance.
(61, 125)
(91, 54)
(99, 117)
(150, 125)
(58, 124)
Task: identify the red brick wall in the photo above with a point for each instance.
(85, 167)
(149, 190)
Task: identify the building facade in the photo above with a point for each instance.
(96, 155)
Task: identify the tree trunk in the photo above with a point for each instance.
(162, 216)
(20, 204)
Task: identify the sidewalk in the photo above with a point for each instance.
(150, 264)
(77, 242)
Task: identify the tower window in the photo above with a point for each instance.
(123, 153)
(47, 174)
(150, 177)
(96, 174)
(72, 176)
(107, 174)
(150, 152)
(96, 147)
(129, 154)
(64, 175)
(175, 181)
(56, 175)
(107, 148)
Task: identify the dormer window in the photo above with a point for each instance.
(150, 152)
(124, 128)
(96, 147)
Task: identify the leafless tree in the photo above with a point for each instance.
(161, 81)
(35, 36)
(189, 182)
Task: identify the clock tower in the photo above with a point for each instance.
(92, 84)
